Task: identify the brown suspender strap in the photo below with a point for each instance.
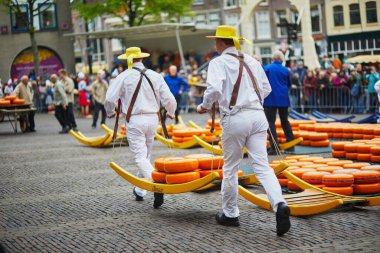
(164, 129)
(115, 128)
(133, 100)
(213, 109)
(235, 90)
(242, 63)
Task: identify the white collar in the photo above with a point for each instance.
(230, 50)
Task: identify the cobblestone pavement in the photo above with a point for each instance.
(57, 195)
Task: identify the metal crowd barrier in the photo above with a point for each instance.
(332, 100)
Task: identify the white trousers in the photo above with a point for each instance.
(246, 128)
(140, 134)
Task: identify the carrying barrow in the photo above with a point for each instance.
(16, 113)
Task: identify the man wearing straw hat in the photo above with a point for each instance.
(140, 92)
(239, 84)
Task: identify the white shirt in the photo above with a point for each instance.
(221, 77)
(124, 86)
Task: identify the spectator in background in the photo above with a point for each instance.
(326, 63)
(295, 90)
(377, 89)
(361, 80)
(99, 91)
(300, 71)
(45, 75)
(49, 96)
(8, 89)
(342, 90)
(69, 86)
(42, 95)
(24, 90)
(372, 78)
(32, 75)
(83, 95)
(177, 86)
(355, 86)
(60, 103)
(309, 83)
(322, 84)
(278, 99)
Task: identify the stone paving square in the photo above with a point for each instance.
(57, 195)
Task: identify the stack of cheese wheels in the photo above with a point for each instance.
(217, 126)
(361, 150)
(186, 134)
(179, 170)
(209, 163)
(11, 100)
(343, 177)
(175, 170)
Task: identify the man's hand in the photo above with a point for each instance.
(201, 110)
(169, 116)
(112, 115)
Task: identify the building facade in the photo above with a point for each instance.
(51, 22)
(353, 27)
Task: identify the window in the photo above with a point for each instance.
(214, 19)
(201, 19)
(281, 20)
(338, 15)
(295, 19)
(315, 19)
(263, 25)
(19, 18)
(187, 19)
(230, 3)
(232, 19)
(198, 2)
(354, 14)
(264, 3)
(371, 12)
(47, 15)
(266, 55)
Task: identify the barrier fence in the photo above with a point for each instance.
(332, 100)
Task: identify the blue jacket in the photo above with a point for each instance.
(279, 79)
(176, 84)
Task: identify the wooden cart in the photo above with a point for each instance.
(16, 113)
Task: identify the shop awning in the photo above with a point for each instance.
(145, 32)
(364, 59)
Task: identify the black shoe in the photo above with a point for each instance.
(75, 129)
(64, 131)
(93, 126)
(158, 200)
(138, 198)
(32, 130)
(272, 152)
(282, 219)
(225, 221)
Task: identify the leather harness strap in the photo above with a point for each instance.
(240, 57)
(134, 97)
(235, 90)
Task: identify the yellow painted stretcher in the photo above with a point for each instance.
(218, 150)
(194, 125)
(311, 201)
(100, 141)
(247, 179)
(181, 145)
(149, 185)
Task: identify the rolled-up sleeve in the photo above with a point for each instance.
(167, 98)
(113, 94)
(215, 79)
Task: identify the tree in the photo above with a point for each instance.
(35, 8)
(136, 11)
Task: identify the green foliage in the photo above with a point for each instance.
(134, 12)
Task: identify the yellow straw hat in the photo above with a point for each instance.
(132, 53)
(228, 32)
